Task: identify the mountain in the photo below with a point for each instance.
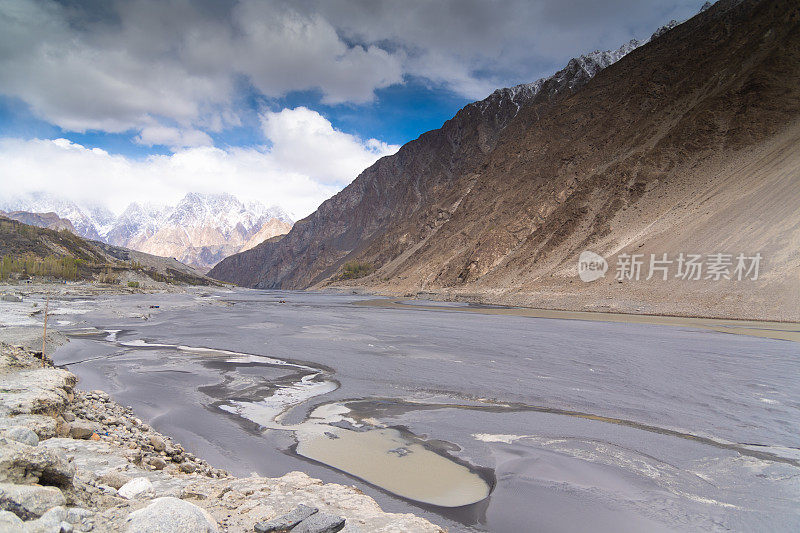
(43, 202)
(686, 144)
(42, 220)
(205, 228)
(200, 230)
(28, 250)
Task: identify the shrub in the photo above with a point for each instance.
(354, 269)
(133, 284)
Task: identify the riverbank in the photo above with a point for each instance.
(702, 300)
(74, 460)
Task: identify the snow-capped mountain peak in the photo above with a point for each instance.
(200, 229)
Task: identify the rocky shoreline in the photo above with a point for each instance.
(72, 460)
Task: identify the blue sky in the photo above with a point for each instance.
(283, 102)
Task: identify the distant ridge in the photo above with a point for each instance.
(200, 230)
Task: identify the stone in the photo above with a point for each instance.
(11, 523)
(320, 523)
(187, 468)
(114, 479)
(136, 487)
(171, 515)
(66, 527)
(49, 522)
(287, 521)
(157, 462)
(20, 463)
(157, 443)
(81, 429)
(23, 435)
(68, 416)
(78, 515)
(29, 501)
(10, 298)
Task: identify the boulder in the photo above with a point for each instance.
(82, 429)
(22, 434)
(114, 479)
(171, 515)
(287, 521)
(320, 523)
(20, 463)
(29, 501)
(37, 391)
(49, 522)
(136, 487)
(11, 523)
(157, 462)
(10, 298)
(157, 443)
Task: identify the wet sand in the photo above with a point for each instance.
(757, 328)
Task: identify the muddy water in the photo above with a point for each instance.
(545, 423)
(383, 457)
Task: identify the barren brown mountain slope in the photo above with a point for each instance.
(688, 144)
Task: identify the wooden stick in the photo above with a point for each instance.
(44, 333)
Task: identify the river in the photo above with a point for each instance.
(477, 420)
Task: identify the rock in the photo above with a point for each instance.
(20, 463)
(11, 523)
(81, 429)
(114, 479)
(171, 515)
(187, 468)
(78, 515)
(320, 523)
(36, 391)
(49, 522)
(287, 521)
(157, 443)
(66, 527)
(400, 452)
(157, 462)
(23, 435)
(136, 487)
(68, 416)
(10, 298)
(29, 501)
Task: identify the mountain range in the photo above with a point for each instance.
(684, 144)
(199, 230)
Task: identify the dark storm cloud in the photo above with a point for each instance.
(122, 65)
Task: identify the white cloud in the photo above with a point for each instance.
(308, 162)
(120, 65)
(306, 142)
(154, 60)
(173, 137)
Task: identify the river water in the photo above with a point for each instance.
(477, 421)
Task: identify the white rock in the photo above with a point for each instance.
(22, 434)
(29, 501)
(171, 515)
(136, 487)
(11, 523)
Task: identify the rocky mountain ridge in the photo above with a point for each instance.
(680, 146)
(477, 125)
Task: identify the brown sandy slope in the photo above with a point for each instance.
(688, 144)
